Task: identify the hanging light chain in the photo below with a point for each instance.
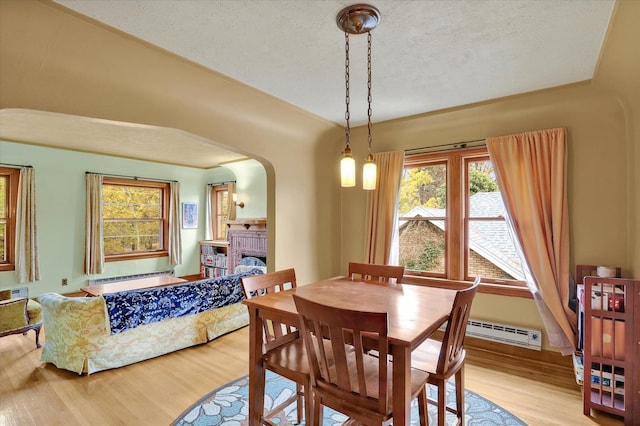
(369, 86)
(347, 115)
(357, 19)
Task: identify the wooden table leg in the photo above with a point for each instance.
(256, 369)
(401, 384)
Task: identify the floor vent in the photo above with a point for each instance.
(129, 277)
(511, 335)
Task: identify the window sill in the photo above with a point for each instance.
(487, 288)
(135, 256)
(505, 290)
(7, 267)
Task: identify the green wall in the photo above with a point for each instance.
(250, 187)
(60, 198)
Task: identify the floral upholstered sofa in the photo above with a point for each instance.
(89, 334)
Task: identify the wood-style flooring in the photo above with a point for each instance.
(156, 391)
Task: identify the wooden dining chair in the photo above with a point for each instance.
(351, 381)
(374, 272)
(443, 359)
(283, 348)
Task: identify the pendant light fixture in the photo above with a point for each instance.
(357, 19)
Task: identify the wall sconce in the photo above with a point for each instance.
(235, 201)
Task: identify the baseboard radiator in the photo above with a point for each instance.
(130, 277)
(508, 334)
(19, 292)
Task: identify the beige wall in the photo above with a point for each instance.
(597, 172)
(602, 119)
(54, 60)
(619, 73)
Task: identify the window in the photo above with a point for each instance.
(135, 215)
(8, 201)
(452, 219)
(220, 197)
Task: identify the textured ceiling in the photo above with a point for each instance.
(427, 54)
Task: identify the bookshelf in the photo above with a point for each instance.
(213, 258)
(611, 347)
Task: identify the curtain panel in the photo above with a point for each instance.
(94, 242)
(208, 221)
(531, 174)
(26, 244)
(231, 212)
(175, 239)
(382, 207)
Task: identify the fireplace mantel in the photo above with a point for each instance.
(248, 224)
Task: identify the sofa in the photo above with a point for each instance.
(90, 334)
(248, 263)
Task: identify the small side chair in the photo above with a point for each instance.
(17, 316)
(374, 272)
(443, 359)
(351, 381)
(282, 347)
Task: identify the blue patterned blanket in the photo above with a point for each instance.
(129, 309)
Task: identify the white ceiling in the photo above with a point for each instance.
(427, 54)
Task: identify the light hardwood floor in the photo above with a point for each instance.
(156, 391)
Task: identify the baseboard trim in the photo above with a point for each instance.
(547, 356)
(551, 357)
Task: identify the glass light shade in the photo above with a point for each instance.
(369, 175)
(348, 170)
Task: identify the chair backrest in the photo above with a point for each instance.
(340, 368)
(273, 333)
(453, 340)
(13, 314)
(373, 272)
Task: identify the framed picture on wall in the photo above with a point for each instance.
(189, 215)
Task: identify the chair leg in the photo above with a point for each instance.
(442, 402)
(460, 395)
(308, 404)
(37, 330)
(299, 401)
(422, 407)
(317, 411)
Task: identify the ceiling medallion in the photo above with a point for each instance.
(358, 18)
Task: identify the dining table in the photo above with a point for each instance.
(415, 312)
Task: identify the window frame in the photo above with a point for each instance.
(11, 200)
(457, 223)
(164, 209)
(219, 233)
(445, 219)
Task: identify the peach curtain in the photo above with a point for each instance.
(94, 245)
(531, 173)
(382, 202)
(175, 240)
(231, 189)
(26, 245)
(208, 203)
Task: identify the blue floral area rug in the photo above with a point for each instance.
(228, 406)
